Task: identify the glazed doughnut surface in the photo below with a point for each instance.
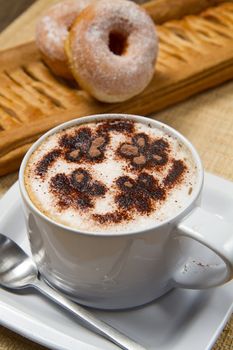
(112, 49)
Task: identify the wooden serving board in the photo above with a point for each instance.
(195, 53)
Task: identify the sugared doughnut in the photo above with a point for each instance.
(112, 49)
(52, 30)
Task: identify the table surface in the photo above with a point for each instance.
(206, 120)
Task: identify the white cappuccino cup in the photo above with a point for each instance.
(117, 269)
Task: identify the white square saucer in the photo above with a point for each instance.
(180, 320)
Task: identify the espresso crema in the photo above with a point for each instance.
(111, 176)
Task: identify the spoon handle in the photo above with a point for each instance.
(88, 318)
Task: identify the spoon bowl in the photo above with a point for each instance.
(17, 269)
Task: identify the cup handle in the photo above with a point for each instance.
(215, 233)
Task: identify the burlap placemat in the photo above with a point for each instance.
(12, 341)
(207, 120)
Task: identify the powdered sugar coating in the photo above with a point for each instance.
(111, 77)
(107, 173)
(53, 27)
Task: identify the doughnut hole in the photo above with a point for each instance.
(117, 42)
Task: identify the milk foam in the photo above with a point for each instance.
(106, 172)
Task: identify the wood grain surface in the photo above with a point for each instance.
(206, 119)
